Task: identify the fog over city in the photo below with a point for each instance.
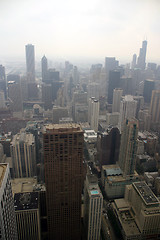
(69, 29)
(80, 119)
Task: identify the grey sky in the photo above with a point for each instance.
(84, 28)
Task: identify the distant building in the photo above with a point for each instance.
(58, 113)
(134, 61)
(141, 62)
(114, 82)
(3, 86)
(30, 62)
(2, 100)
(47, 96)
(117, 94)
(128, 109)
(8, 228)
(14, 93)
(110, 64)
(149, 86)
(155, 107)
(93, 205)
(93, 90)
(44, 67)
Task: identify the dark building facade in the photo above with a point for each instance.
(63, 163)
(149, 86)
(114, 82)
(108, 146)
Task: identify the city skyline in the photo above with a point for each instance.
(92, 29)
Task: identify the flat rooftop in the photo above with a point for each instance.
(21, 185)
(2, 172)
(112, 170)
(26, 201)
(126, 218)
(146, 193)
(60, 128)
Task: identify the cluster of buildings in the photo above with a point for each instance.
(79, 150)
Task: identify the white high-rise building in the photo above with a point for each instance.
(117, 94)
(8, 228)
(128, 109)
(93, 204)
(93, 113)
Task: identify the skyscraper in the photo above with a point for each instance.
(117, 94)
(110, 64)
(114, 82)
(23, 155)
(93, 113)
(93, 204)
(63, 162)
(14, 93)
(128, 147)
(44, 65)
(108, 145)
(134, 61)
(149, 86)
(3, 80)
(128, 109)
(8, 228)
(155, 106)
(30, 62)
(141, 62)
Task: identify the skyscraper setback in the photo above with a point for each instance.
(63, 155)
(30, 62)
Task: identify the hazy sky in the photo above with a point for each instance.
(84, 28)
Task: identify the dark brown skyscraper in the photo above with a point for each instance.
(63, 155)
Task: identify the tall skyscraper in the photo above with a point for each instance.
(155, 106)
(8, 228)
(93, 204)
(134, 61)
(44, 65)
(23, 155)
(93, 113)
(128, 109)
(114, 82)
(63, 162)
(141, 62)
(30, 62)
(117, 94)
(128, 147)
